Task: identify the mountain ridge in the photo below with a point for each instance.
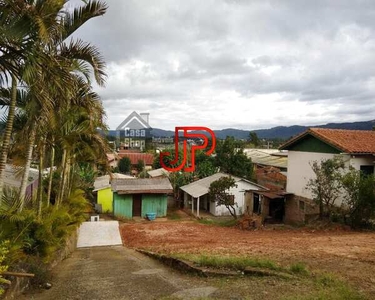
(278, 132)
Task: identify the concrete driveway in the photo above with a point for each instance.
(118, 273)
(102, 233)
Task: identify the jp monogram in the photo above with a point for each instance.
(187, 135)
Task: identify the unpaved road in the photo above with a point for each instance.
(118, 273)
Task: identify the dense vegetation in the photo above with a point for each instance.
(52, 121)
(229, 157)
(356, 190)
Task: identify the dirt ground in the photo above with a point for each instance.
(348, 254)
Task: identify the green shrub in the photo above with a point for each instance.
(30, 235)
(124, 165)
(35, 265)
(4, 250)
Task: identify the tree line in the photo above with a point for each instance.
(52, 119)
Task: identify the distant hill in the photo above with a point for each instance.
(281, 132)
(284, 132)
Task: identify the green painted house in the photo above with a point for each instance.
(104, 194)
(137, 197)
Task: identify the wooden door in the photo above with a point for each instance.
(137, 205)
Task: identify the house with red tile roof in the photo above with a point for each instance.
(356, 147)
(147, 158)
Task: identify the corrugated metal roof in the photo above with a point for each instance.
(103, 182)
(267, 157)
(142, 185)
(201, 187)
(13, 176)
(158, 172)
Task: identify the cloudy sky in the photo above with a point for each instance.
(237, 63)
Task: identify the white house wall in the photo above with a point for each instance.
(358, 161)
(239, 198)
(213, 208)
(300, 171)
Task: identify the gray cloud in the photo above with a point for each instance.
(236, 63)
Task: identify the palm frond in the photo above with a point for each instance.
(86, 53)
(80, 15)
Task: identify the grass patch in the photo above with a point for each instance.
(218, 222)
(303, 286)
(298, 268)
(329, 287)
(231, 262)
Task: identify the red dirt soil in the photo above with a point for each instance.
(347, 253)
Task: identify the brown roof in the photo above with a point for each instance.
(148, 158)
(129, 151)
(348, 141)
(271, 195)
(142, 185)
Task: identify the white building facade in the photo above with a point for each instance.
(196, 199)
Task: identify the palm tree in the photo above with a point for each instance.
(42, 28)
(79, 137)
(67, 58)
(13, 44)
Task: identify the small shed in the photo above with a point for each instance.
(138, 197)
(102, 186)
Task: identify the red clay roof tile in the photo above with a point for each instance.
(135, 157)
(348, 141)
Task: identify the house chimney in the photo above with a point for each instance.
(145, 116)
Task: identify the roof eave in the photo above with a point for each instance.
(162, 191)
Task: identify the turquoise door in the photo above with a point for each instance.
(122, 205)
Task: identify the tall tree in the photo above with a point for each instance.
(15, 41)
(124, 165)
(205, 165)
(326, 186)
(72, 57)
(253, 138)
(230, 158)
